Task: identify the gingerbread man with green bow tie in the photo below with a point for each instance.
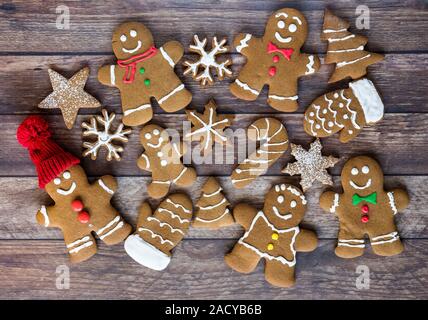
(365, 209)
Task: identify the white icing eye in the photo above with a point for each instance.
(148, 136)
(156, 132)
(281, 24)
(57, 181)
(280, 199)
(293, 203)
(66, 174)
(292, 27)
(365, 170)
(133, 33)
(123, 38)
(354, 171)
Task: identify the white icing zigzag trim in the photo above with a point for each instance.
(155, 235)
(173, 215)
(243, 43)
(353, 113)
(283, 260)
(246, 87)
(309, 65)
(392, 202)
(161, 224)
(177, 205)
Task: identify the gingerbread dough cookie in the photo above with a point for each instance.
(144, 71)
(163, 159)
(159, 232)
(346, 111)
(275, 60)
(364, 208)
(272, 234)
(80, 208)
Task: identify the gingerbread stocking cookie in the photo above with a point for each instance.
(275, 60)
(163, 159)
(346, 111)
(159, 232)
(80, 208)
(364, 208)
(272, 234)
(144, 71)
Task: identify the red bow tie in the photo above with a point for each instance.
(130, 64)
(285, 52)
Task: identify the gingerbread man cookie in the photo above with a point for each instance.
(275, 60)
(157, 234)
(272, 234)
(365, 208)
(80, 208)
(144, 71)
(163, 159)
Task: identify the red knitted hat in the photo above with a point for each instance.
(49, 158)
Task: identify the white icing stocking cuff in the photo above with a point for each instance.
(146, 254)
(369, 99)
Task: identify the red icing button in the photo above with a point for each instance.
(272, 71)
(365, 219)
(275, 58)
(77, 205)
(365, 208)
(83, 217)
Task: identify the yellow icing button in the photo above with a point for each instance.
(270, 246)
(275, 236)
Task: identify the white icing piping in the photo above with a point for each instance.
(283, 14)
(142, 107)
(177, 205)
(179, 176)
(332, 30)
(44, 212)
(242, 179)
(335, 203)
(282, 39)
(392, 202)
(281, 98)
(108, 225)
(67, 192)
(345, 63)
(309, 65)
(146, 158)
(112, 75)
(279, 215)
(246, 87)
(243, 43)
(118, 226)
(161, 182)
(83, 246)
(214, 205)
(133, 50)
(79, 241)
(353, 113)
(311, 122)
(106, 189)
(161, 224)
(341, 39)
(213, 220)
(207, 195)
(351, 240)
(393, 235)
(156, 145)
(347, 50)
(355, 186)
(173, 215)
(169, 95)
(322, 120)
(296, 193)
(341, 244)
(155, 235)
(298, 20)
(167, 57)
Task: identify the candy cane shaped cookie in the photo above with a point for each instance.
(273, 139)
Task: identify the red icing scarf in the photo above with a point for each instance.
(285, 52)
(131, 63)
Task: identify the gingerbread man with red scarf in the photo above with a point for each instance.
(275, 60)
(144, 71)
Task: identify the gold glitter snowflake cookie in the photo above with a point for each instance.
(311, 165)
(208, 61)
(105, 137)
(69, 96)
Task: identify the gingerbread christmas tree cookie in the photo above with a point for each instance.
(212, 210)
(207, 127)
(69, 96)
(345, 49)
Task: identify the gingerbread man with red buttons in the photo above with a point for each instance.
(365, 209)
(275, 60)
(80, 208)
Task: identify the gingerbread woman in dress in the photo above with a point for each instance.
(162, 157)
(365, 208)
(80, 208)
(275, 60)
(144, 71)
(272, 234)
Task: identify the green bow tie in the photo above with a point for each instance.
(356, 199)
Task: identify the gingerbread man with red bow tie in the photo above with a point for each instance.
(275, 60)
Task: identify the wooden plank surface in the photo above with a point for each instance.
(25, 82)
(30, 254)
(197, 271)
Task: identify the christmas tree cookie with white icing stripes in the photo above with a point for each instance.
(345, 49)
(212, 208)
(162, 157)
(365, 208)
(159, 232)
(345, 111)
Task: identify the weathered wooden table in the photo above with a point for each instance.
(32, 257)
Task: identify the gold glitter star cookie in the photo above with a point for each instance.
(69, 96)
(311, 165)
(208, 126)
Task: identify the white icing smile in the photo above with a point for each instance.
(133, 50)
(279, 215)
(281, 39)
(356, 186)
(155, 145)
(67, 192)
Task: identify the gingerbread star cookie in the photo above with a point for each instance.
(69, 96)
(208, 126)
(311, 165)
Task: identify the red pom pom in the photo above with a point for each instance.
(32, 132)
